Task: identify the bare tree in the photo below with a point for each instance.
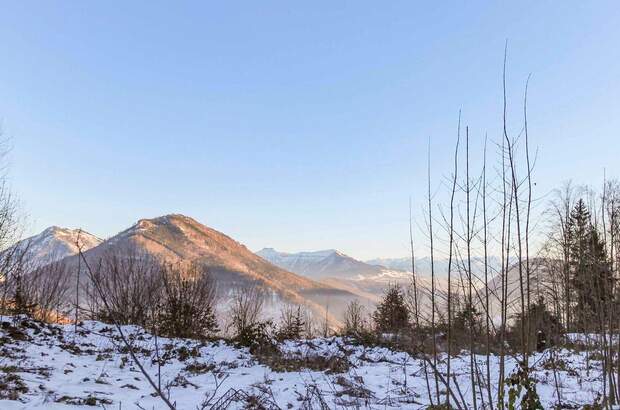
(354, 318)
(470, 304)
(246, 309)
(94, 278)
(487, 315)
(14, 263)
(450, 256)
(432, 251)
(131, 283)
(49, 290)
(415, 302)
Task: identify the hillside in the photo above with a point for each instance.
(54, 367)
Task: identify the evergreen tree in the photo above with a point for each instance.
(591, 276)
(392, 314)
(545, 327)
(465, 318)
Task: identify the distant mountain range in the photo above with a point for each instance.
(422, 265)
(370, 278)
(328, 264)
(331, 263)
(335, 269)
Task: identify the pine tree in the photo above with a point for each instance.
(591, 276)
(468, 319)
(392, 314)
(545, 329)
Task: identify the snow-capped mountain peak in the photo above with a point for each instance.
(55, 243)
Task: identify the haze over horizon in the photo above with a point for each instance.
(292, 126)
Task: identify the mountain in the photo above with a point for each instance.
(53, 244)
(329, 264)
(178, 238)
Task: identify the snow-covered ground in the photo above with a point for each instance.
(55, 367)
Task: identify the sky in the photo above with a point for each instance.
(298, 126)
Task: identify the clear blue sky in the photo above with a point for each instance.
(288, 124)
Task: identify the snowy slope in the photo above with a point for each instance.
(55, 243)
(53, 367)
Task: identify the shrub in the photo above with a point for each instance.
(130, 284)
(256, 336)
(292, 323)
(543, 327)
(187, 308)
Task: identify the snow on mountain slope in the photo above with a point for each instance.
(329, 263)
(53, 244)
(54, 367)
